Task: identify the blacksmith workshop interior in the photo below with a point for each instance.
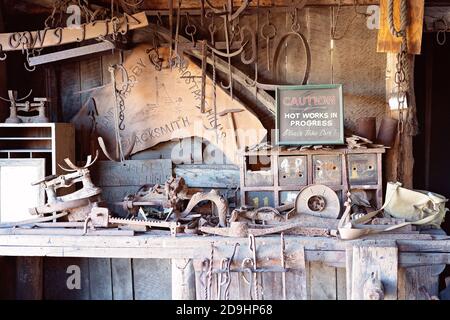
(224, 150)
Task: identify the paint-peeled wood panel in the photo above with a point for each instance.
(322, 281)
(100, 282)
(122, 279)
(66, 279)
(152, 279)
(359, 68)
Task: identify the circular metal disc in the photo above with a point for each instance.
(318, 200)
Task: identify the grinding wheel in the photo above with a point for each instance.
(318, 200)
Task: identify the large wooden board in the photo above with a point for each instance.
(165, 105)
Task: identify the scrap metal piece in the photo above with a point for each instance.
(240, 229)
(220, 202)
(78, 204)
(25, 107)
(318, 200)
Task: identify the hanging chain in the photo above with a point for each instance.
(401, 75)
(212, 30)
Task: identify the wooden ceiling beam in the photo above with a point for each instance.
(163, 5)
(195, 4)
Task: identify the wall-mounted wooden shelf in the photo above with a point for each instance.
(52, 141)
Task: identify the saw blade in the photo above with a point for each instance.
(318, 200)
(148, 223)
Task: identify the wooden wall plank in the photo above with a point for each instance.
(122, 279)
(341, 284)
(57, 275)
(152, 279)
(271, 286)
(29, 278)
(100, 282)
(8, 272)
(322, 281)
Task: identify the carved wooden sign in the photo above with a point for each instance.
(164, 105)
(52, 37)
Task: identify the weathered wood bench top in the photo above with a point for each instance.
(412, 252)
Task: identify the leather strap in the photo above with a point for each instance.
(348, 230)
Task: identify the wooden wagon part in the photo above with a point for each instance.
(220, 202)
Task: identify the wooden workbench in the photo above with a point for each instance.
(391, 259)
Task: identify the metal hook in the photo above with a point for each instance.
(3, 55)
